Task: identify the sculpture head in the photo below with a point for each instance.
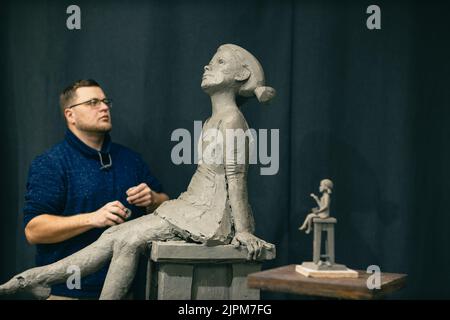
(326, 185)
(234, 68)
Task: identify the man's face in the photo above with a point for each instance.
(220, 72)
(86, 117)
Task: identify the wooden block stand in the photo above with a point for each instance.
(178, 270)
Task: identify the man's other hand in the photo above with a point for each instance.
(141, 195)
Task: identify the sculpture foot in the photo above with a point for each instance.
(308, 231)
(13, 285)
(20, 283)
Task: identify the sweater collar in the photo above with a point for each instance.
(75, 142)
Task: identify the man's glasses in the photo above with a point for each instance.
(94, 103)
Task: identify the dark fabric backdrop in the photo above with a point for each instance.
(368, 109)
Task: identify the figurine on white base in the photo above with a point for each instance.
(320, 218)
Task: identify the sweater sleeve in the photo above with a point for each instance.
(45, 189)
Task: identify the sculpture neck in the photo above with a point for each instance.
(223, 102)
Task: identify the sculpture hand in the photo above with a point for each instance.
(254, 244)
(314, 196)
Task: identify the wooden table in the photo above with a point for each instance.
(285, 279)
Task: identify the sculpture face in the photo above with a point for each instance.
(221, 72)
(322, 187)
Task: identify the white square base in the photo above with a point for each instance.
(307, 272)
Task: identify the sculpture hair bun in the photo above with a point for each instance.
(265, 94)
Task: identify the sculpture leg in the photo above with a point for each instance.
(306, 222)
(120, 274)
(127, 252)
(309, 218)
(303, 226)
(89, 259)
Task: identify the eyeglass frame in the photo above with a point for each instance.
(106, 101)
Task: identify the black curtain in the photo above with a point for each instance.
(366, 108)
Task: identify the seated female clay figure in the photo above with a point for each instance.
(323, 211)
(214, 209)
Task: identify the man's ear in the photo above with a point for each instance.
(243, 75)
(69, 115)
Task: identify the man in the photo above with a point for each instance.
(83, 185)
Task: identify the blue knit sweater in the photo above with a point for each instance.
(72, 178)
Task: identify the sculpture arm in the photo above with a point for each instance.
(236, 157)
(238, 196)
(316, 199)
(236, 167)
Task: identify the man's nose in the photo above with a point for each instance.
(103, 106)
(207, 68)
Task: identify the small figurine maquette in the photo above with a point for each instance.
(320, 217)
(323, 211)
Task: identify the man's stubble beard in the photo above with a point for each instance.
(103, 128)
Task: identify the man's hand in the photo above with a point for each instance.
(314, 197)
(254, 244)
(110, 214)
(141, 195)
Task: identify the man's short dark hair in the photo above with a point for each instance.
(68, 94)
